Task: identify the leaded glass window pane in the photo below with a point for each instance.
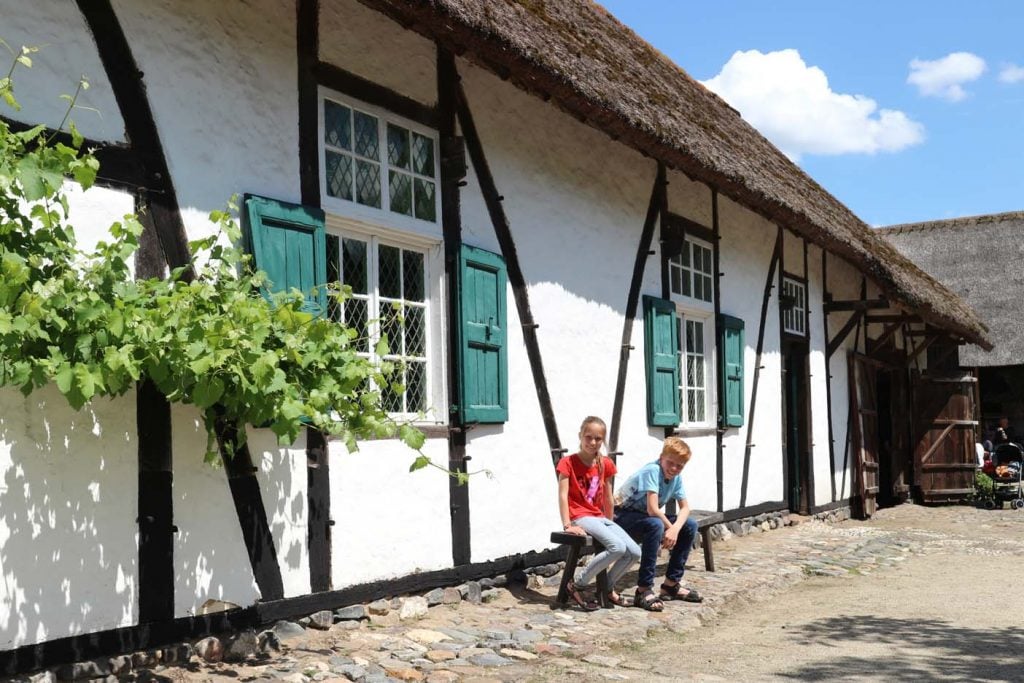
(339, 175)
(684, 255)
(337, 125)
(416, 387)
(353, 265)
(390, 271)
(391, 326)
(423, 155)
(398, 146)
(426, 207)
(356, 318)
(698, 288)
(415, 331)
(366, 134)
(368, 183)
(400, 189)
(675, 274)
(708, 293)
(412, 280)
(392, 401)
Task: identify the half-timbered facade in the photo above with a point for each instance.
(569, 225)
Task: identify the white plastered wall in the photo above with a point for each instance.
(576, 203)
(221, 81)
(820, 384)
(68, 538)
(66, 54)
(746, 249)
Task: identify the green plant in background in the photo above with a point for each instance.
(79, 320)
(983, 489)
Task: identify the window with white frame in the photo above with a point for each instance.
(390, 296)
(378, 164)
(794, 306)
(690, 272)
(696, 334)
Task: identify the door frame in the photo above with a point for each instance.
(798, 484)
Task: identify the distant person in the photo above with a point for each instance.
(1003, 433)
(585, 502)
(643, 496)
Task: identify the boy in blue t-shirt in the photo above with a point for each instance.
(640, 513)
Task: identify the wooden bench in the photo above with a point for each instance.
(578, 544)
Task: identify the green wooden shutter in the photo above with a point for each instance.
(661, 356)
(731, 371)
(483, 351)
(288, 243)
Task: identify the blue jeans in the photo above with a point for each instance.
(649, 531)
(620, 551)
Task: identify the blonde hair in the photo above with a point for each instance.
(591, 419)
(674, 446)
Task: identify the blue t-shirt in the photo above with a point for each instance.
(646, 479)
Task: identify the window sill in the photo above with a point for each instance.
(695, 431)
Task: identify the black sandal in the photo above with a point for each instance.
(646, 599)
(582, 601)
(672, 593)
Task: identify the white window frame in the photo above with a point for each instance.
(707, 320)
(383, 215)
(798, 312)
(689, 273)
(433, 265)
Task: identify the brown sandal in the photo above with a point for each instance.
(618, 599)
(582, 601)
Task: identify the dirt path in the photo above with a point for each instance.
(954, 612)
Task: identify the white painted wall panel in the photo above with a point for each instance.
(746, 248)
(209, 553)
(365, 42)
(389, 522)
(67, 53)
(819, 401)
(68, 538)
(221, 81)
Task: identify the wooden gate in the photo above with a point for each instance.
(944, 435)
(864, 444)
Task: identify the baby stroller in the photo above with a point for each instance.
(1007, 466)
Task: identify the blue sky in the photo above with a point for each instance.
(906, 110)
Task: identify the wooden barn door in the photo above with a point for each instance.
(864, 414)
(944, 435)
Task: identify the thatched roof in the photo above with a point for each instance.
(585, 61)
(981, 258)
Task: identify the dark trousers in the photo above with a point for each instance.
(648, 532)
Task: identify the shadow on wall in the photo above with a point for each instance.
(68, 538)
(917, 650)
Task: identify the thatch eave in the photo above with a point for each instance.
(729, 156)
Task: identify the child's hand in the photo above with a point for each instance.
(575, 530)
(669, 540)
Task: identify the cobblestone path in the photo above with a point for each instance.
(512, 634)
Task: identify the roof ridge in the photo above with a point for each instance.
(961, 221)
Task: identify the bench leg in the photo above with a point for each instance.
(571, 563)
(709, 553)
(603, 590)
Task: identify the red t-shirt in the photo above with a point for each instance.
(586, 485)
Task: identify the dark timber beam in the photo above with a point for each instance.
(515, 273)
(453, 170)
(888, 333)
(632, 301)
(855, 305)
(119, 168)
(252, 515)
(917, 350)
(348, 83)
(157, 204)
(769, 285)
(125, 78)
(318, 473)
(885, 319)
(716, 284)
(844, 332)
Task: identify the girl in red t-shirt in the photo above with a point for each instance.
(585, 503)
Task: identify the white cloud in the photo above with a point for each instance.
(794, 107)
(945, 77)
(1011, 73)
